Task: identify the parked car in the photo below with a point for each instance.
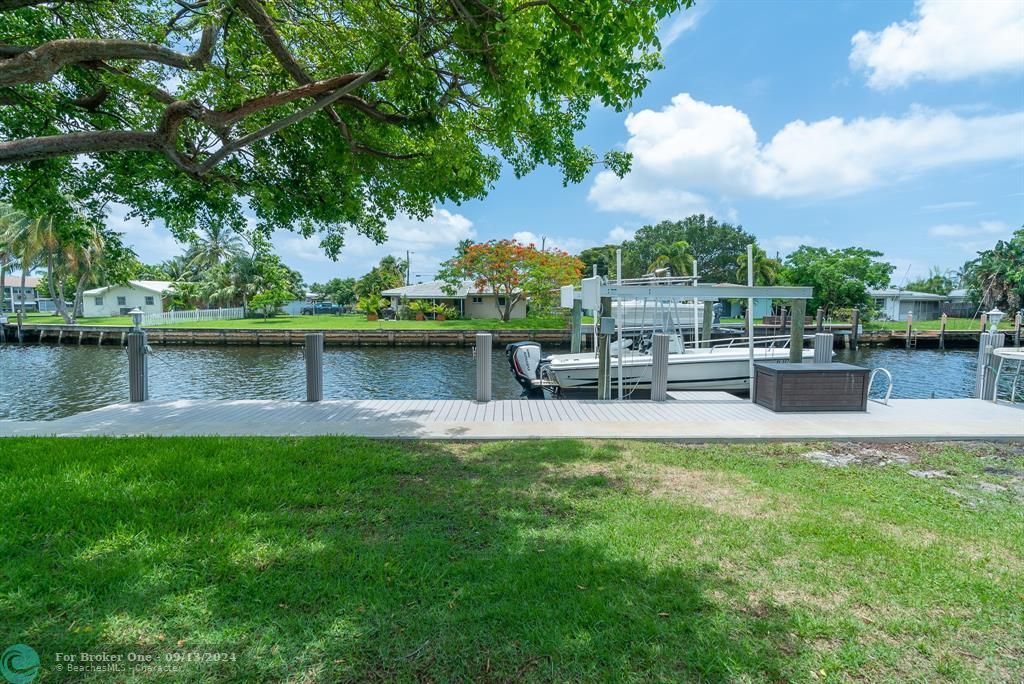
(319, 308)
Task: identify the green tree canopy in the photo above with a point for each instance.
(313, 115)
(996, 277)
(389, 273)
(341, 291)
(715, 247)
(841, 278)
(938, 281)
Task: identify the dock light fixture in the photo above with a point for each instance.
(994, 316)
(136, 315)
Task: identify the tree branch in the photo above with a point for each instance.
(40, 63)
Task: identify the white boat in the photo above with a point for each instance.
(715, 368)
(724, 367)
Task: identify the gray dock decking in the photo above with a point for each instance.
(688, 416)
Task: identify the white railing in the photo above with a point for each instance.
(196, 315)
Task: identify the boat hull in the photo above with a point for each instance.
(695, 370)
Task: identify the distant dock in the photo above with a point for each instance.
(687, 417)
(49, 333)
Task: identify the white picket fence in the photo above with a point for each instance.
(198, 315)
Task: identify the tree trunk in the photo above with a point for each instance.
(21, 310)
(58, 301)
(3, 286)
(79, 309)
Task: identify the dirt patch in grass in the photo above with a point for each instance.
(842, 454)
(721, 493)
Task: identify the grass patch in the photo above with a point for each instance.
(951, 324)
(334, 559)
(334, 322)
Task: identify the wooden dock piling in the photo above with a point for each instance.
(855, 328)
(942, 332)
(819, 321)
(1016, 329)
(796, 335)
(910, 329)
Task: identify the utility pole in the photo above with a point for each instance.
(408, 266)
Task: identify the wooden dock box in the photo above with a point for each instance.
(792, 387)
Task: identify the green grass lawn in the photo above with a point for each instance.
(334, 559)
(951, 324)
(333, 322)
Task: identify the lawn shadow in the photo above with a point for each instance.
(354, 560)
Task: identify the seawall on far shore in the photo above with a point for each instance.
(116, 335)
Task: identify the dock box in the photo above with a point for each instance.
(791, 387)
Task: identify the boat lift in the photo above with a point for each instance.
(662, 288)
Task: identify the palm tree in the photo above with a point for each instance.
(84, 259)
(217, 245)
(9, 218)
(766, 270)
(22, 239)
(676, 257)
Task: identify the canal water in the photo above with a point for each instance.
(41, 382)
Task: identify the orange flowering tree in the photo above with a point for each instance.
(512, 272)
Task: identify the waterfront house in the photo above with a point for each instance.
(893, 304)
(12, 294)
(118, 300)
(469, 302)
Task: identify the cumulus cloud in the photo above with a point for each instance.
(690, 148)
(431, 241)
(971, 238)
(152, 242)
(571, 245)
(945, 41)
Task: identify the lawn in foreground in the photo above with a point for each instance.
(334, 559)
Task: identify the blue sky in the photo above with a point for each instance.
(897, 126)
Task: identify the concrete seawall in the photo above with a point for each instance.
(116, 335)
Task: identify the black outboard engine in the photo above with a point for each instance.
(524, 359)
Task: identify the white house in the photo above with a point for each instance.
(894, 304)
(468, 302)
(118, 300)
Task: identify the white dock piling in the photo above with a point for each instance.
(984, 384)
(483, 366)
(659, 367)
(314, 354)
(823, 347)
(138, 367)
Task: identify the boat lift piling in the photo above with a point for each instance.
(482, 351)
(796, 331)
(659, 367)
(596, 294)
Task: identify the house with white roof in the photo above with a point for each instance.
(118, 300)
(467, 300)
(893, 304)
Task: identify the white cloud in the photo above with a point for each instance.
(618, 235)
(786, 243)
(680, 23)
(152, 242)
(430, 242)
(691, 147)
(943, 206)
(945, 41)
(571, 245)
(971, 238)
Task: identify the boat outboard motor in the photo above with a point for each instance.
(524, 359)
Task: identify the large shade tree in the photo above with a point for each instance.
(841, 278)
(512, 272)
(315, 115)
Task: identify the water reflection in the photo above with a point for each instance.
(48, 381)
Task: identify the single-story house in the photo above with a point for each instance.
(894, 304)
(959, 305)
(118, 300)
(733, 308)
(469, 302)
(12, 293)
